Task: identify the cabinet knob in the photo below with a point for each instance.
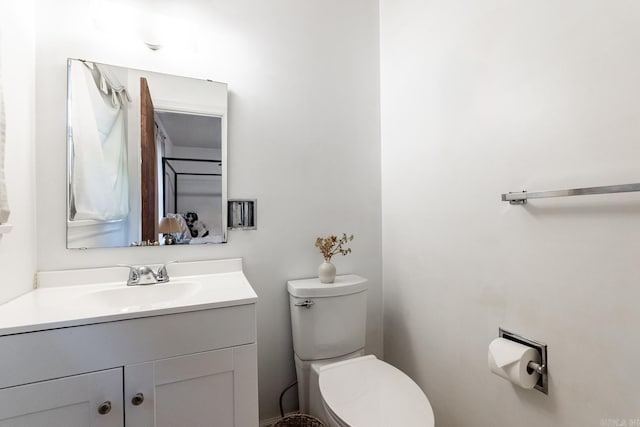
(104, 408)
(137, 399)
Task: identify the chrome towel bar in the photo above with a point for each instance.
(520, 198)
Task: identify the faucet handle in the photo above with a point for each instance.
(162, 274)
(129, 266)
(134, 273)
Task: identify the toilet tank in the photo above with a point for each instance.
(328, 319)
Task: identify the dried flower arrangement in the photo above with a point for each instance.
(330, 246)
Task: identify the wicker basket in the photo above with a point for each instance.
(299, 420)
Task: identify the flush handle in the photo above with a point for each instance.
(306, 303)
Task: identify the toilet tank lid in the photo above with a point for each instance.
(343, 285)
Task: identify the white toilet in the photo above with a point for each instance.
(336, 382)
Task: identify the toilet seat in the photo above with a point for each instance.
(367, 392)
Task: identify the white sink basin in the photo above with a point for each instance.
(130, 298)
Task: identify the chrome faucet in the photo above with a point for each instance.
(144, 275)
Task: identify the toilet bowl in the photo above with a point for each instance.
(367, 392)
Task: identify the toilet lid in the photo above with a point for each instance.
(367, 392)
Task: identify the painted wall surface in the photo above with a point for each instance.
(482, 98)
(303, 140)
(17, 59)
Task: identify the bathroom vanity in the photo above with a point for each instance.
(79, 353)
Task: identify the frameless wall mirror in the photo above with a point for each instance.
(146, 158)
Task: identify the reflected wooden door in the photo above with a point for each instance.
(149, 165)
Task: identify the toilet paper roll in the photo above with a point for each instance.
(509, 360)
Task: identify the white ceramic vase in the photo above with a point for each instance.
(327, 272)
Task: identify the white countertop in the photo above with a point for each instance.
(193, 286)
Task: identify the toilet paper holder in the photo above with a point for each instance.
(541, 368)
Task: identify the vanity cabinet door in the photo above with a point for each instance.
(214, 388)
(88, 400)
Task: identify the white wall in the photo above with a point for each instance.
(303, 140)
(17, 60)
(485, 97)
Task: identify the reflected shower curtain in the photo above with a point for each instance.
(4, 202)
(97, 132)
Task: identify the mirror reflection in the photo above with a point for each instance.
(147, 158)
